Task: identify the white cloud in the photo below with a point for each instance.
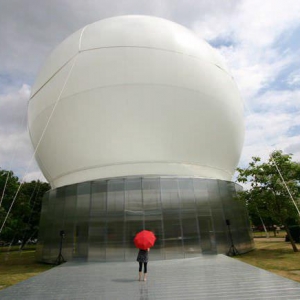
(294, 79)
(248, 37)
(13, 108)
(249, 22)
(16, 152)
(261, 23)
(266, 132)
(278, 101)
(251, 29)
(35, 175)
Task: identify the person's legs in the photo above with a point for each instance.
(140, 271)
(140, 266)
(145, 271)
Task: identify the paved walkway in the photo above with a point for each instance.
(207, 277)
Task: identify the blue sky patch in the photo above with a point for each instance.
(293, 131)
(289, 40)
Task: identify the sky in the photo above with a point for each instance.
(259, 41)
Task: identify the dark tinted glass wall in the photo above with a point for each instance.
(101, 218)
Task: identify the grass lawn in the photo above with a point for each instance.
(274, 255)
(16, 266)
(271, 254)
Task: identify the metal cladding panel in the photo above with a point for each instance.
(130, 105)
(100, 219)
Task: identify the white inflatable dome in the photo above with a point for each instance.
(135, 95)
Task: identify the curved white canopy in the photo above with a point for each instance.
(135, 95)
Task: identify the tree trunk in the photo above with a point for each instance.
(291, 238)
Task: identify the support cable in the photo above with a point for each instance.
(276, 166)
(10, 164)
(44, 130)
(39, 142)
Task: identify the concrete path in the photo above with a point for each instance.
(207, 277)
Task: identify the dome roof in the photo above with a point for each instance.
(135, 95)
(128, 31)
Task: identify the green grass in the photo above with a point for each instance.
(16, 266)
(275, 255)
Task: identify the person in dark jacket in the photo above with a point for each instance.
(142, 258)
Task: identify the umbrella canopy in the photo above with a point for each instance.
(144, 239)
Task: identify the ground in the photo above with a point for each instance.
(272, 254)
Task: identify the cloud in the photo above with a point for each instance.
(30, 29)
(13, 110)
(249, 38)
(16, 152)
(34, 175)
(294, 79)
(278, 101)
(252, 68)
(275, 125)
(249, 22)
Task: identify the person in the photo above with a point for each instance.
(142, 258)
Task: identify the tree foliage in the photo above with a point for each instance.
(274, 189)
(23, 220)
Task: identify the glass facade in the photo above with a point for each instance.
(100, 219)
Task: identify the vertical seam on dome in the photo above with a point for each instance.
(80, 39)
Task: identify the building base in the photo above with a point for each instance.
(97, 220)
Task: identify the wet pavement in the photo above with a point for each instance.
(205, 277)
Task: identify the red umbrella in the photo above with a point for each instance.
(144, 239)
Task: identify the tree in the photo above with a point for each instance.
(22, 222)
(274, 189)
(8, 186)
(29, 208)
